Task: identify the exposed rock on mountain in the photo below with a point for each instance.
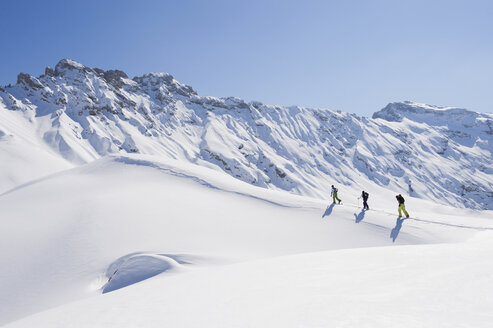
(442, 154)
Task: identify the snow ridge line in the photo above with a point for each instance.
(168, 170)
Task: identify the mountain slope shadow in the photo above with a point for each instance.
(359, 217)
(395, 232)
(328, 211)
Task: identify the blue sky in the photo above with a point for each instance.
(355, 56)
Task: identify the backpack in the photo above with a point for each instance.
(365, 195)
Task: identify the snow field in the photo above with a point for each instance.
(169, 218)
(444, 285)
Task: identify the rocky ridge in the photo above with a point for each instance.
(82, 113)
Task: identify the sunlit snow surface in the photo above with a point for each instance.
(138, 203)
(221, 252)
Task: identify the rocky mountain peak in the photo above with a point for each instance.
(29, 81)
(49, 71)
(397, 111)
(114, 77)
(155, 81)
(67, 65)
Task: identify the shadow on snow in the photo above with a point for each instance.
(395, 232)
(359, 217)
(328, 211)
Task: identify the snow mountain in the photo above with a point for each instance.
(137, 202)
(75, 114)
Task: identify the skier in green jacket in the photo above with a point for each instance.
(334, 195)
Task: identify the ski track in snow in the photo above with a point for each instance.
(452, 225)
(479, 228)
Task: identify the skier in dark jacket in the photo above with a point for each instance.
(402, 208)
(334, 195)
(365, 195)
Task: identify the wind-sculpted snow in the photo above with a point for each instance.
(133, 268)
(441, 154)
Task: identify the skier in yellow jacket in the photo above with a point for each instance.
(402, 208)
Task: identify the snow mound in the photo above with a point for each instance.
(442, 285)
(133, 268)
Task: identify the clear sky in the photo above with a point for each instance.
(355, 56)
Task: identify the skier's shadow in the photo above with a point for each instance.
(328, 211)
(360, 216)
(395, 232)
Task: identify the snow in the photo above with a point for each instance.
(133, 268)
(407, 147)
(23, 157)
(137, 202)
(446, 285)
(142, 215)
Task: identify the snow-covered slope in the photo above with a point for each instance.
(440, 154)
(409, 286)
(118, 220)
(23, 156)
